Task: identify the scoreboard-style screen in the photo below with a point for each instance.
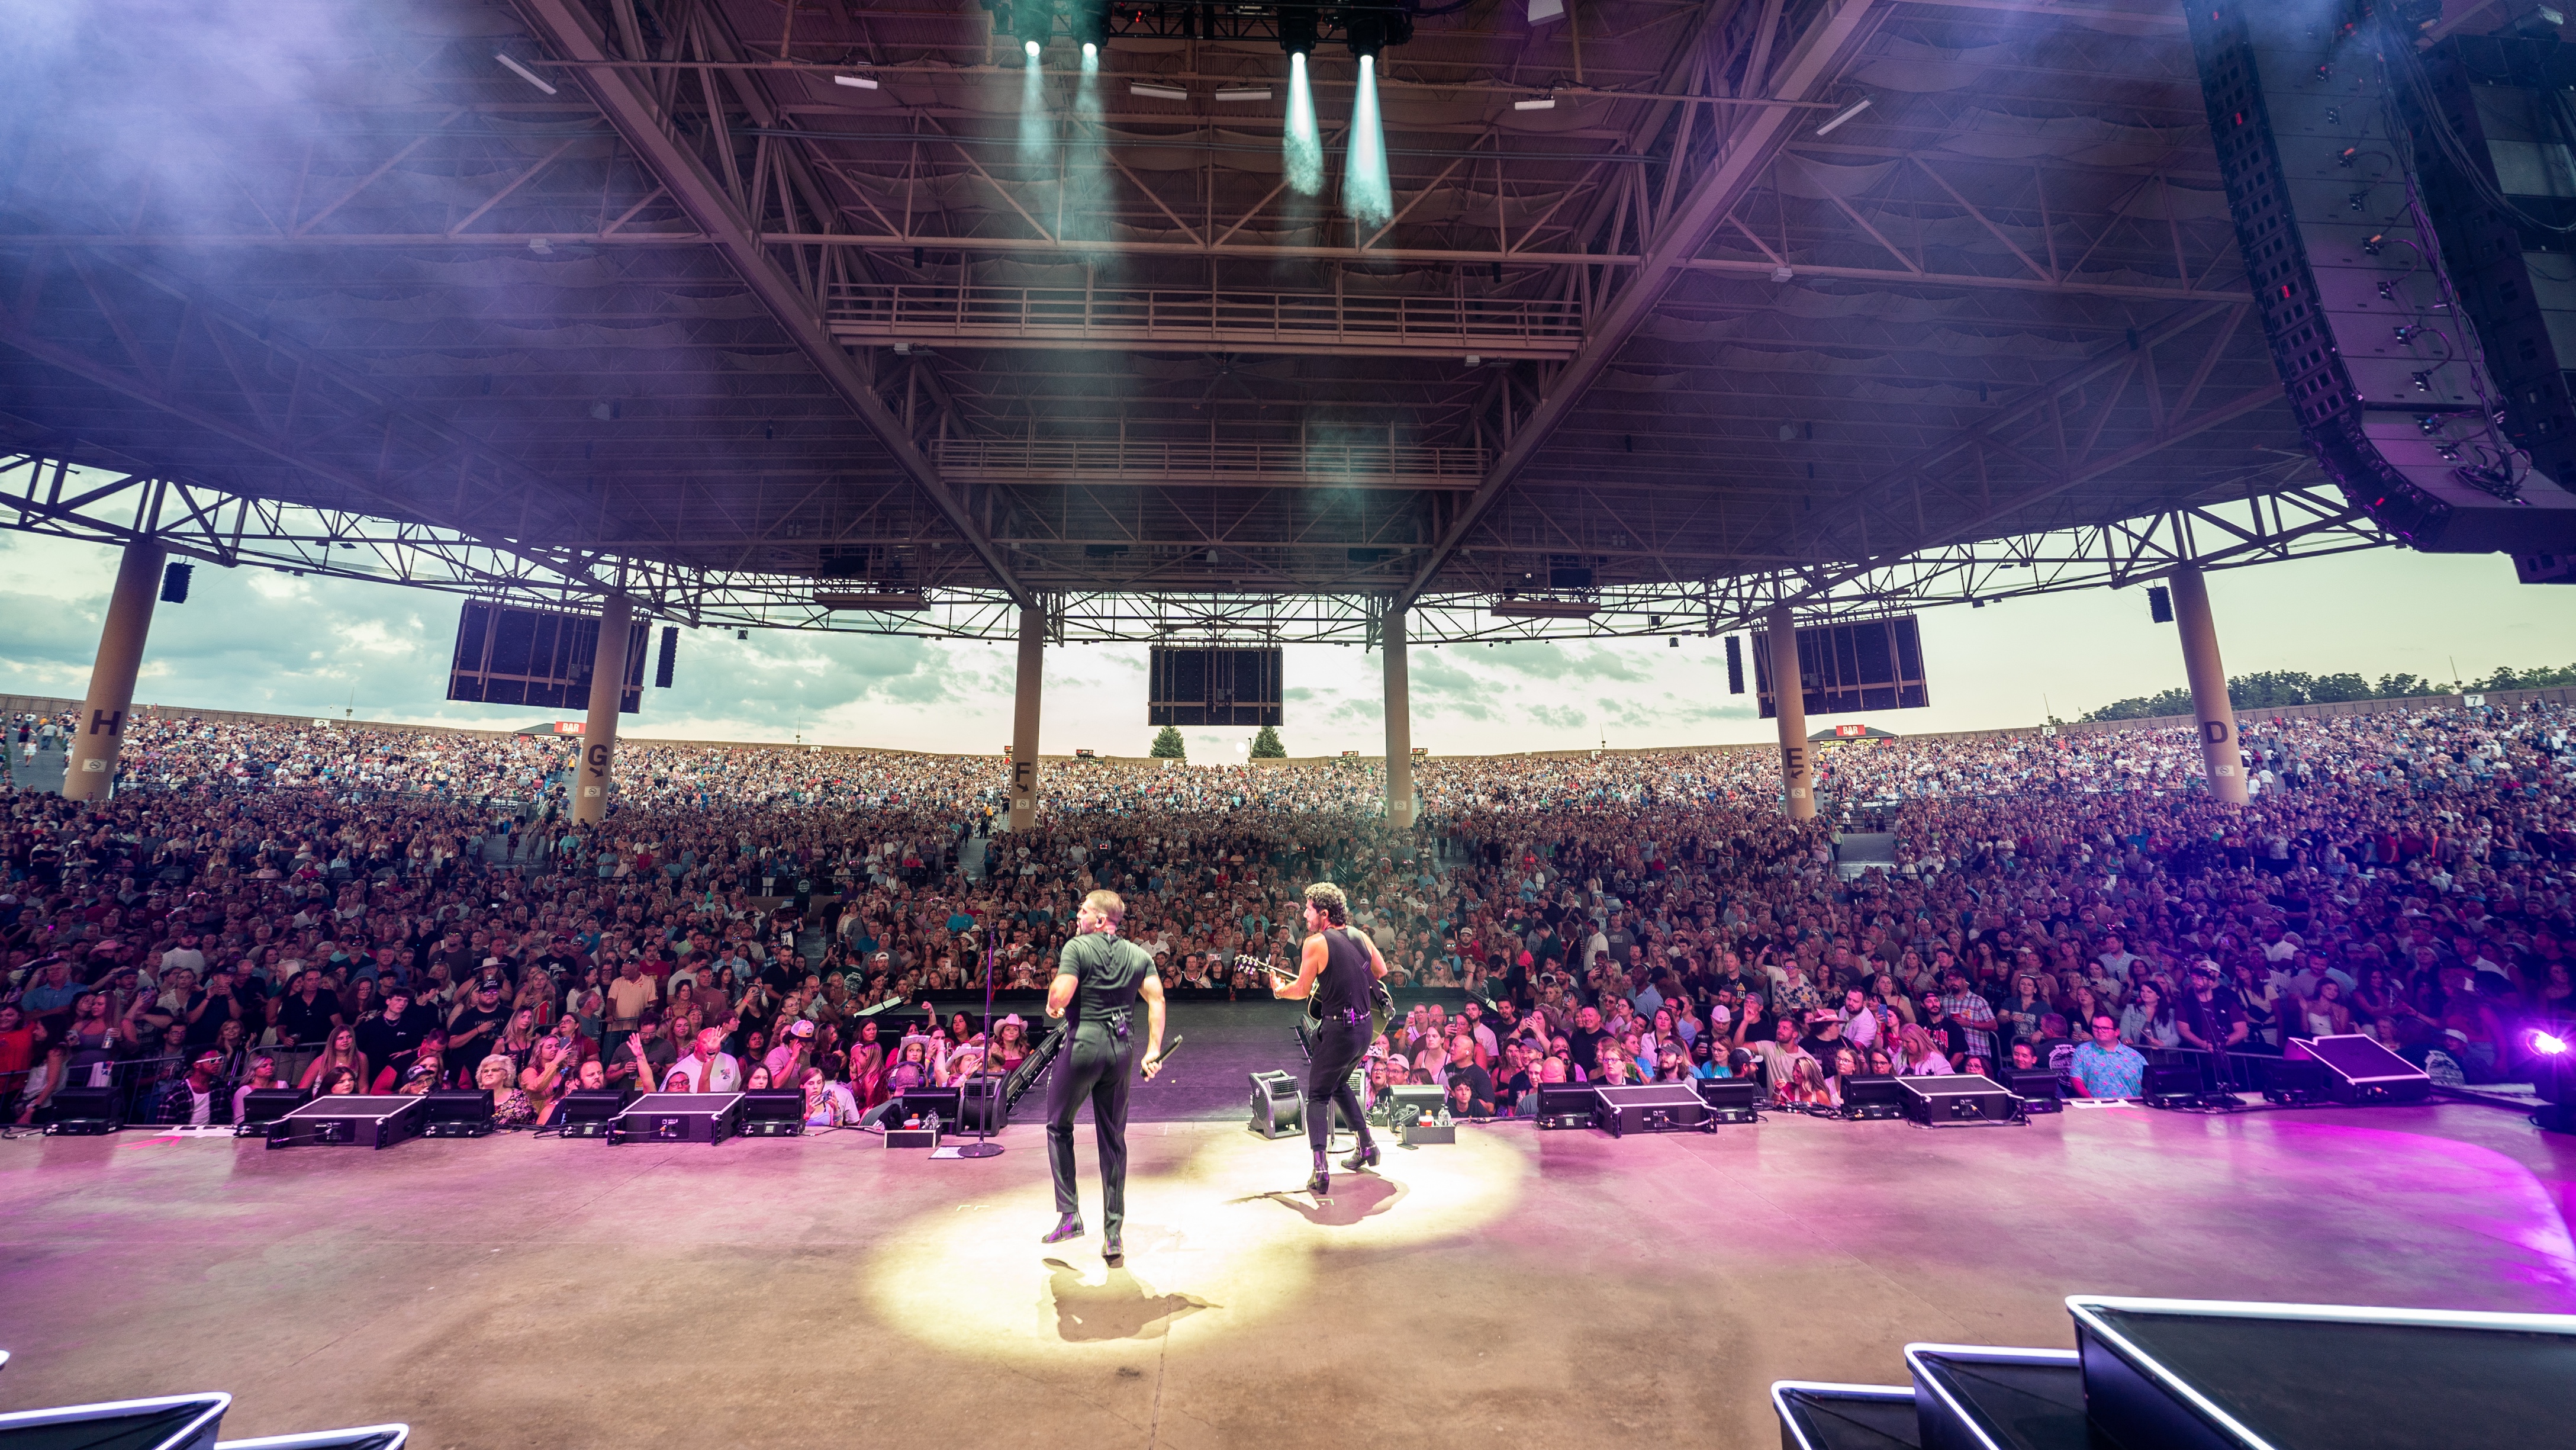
(1861, 664)
(1213, 687)
(507, 654)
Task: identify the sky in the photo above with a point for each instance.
(251, 639)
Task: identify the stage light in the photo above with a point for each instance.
(1090, 51)
(2548, 1045)
(1845, 114)
(1031, 47)
(1367, 195)
(1301, 144)
(525, 74)
(860, 83)
(1160, 93)
(1260, 95)
(1543, 103)
(1089, 22)
(1297, 31)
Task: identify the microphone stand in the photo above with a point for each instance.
(981, 1148)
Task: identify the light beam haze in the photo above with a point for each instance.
(1301, 145)
(1368, 198)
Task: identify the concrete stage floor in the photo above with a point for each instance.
(1564, 1288)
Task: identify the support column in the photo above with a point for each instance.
(1024, 720)
(1789, 703)
(2208, 677)
(90, 770)
(599, 733)
(1399, 721)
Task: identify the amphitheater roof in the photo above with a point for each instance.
(704, 314)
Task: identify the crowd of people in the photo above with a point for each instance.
(341, 910)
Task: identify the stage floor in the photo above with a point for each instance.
(1565, 1286)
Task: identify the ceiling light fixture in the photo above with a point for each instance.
(1541, 103)
(860, 83)
(1160, 93)
(523, 73)
(1260, 95)
(1543, 11)
(1845, 114)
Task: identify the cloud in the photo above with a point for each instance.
(258, 640)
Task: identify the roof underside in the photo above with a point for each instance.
(339, 255)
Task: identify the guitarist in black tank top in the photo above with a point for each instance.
(1338, 967)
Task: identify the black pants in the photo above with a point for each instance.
(1337, 1048)
(1097, 1065)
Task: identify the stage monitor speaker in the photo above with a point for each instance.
(1564, 1105)
(1278, 1106)
(2293, 1081)
(1730, 1099)
(82, 1112)
(774, 1113)
(587, 1112)
(2388, 376)
(707, 1118)
(1423, 1098)
(2172, 1084)
(2038, 1089)
(1653, 1107)
(1958, 1100)
(948, 1105)
(1869, 1098)
(2360, 1071)
(263, 1106)
(464, 1113)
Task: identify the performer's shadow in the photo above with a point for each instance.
(1359, 1196)
(1120, 1307)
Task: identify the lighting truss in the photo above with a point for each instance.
(49, 496)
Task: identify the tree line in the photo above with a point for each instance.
(1168, 745)
(2266, 689)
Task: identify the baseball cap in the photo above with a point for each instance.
(208, 1056)
(800, 1028)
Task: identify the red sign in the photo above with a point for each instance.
(1851, 732)
(571, 727)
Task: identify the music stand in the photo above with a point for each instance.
(983, 1147)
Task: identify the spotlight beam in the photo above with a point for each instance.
(1302, 146)
(1368, 195)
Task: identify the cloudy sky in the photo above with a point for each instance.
(258, 640)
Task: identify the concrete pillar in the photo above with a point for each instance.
(1789, 703)
(599, 733)
(91, 768)
(1024, 720)
(2208, 678)
(1399, 721)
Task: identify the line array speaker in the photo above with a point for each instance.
(2383, 367)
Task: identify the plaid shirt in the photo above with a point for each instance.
(1976, 1018)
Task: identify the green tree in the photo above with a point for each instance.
(1266, 746)
(1169, 746)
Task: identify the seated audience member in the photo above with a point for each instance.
(2106, 1067)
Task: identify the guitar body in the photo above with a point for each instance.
(1381, 1001)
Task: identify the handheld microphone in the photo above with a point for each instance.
(1165, 1056)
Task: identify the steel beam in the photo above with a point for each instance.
(565, 27)
(1818, 57)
